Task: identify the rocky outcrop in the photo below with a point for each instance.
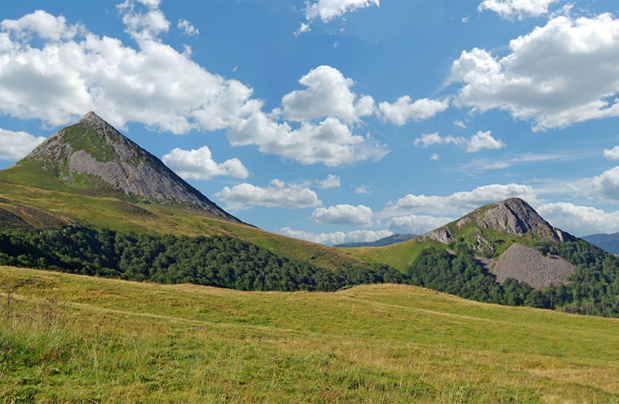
(516, 217)
(509, 217)
(95, 148)
(527, 265)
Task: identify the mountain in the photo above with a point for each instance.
(502, 237)
(92, 157)
(88, 174)
(607, 242)
(383, 242)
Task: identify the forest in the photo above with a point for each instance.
(228, 262)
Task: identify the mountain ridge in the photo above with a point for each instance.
(92, 156)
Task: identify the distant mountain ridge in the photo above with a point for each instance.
(91, 156)
(607, 242)
(383, 242)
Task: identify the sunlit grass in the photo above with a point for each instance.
(113, 341)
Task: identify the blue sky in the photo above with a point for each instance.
(336, 120)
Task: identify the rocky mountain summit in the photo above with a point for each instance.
(93, 155)
(509, 217)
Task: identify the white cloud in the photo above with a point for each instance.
(460, 202)
(434, 157)
(483, 140)
(329, 142)
(45, 26)
(612, 154)
(517, 8)
(481, 165)
(606, 185)
(344, 214)
(199, 165)
(332, 181)
(15, 145)
(429, 139)
(579, 220)
(363, 189)
(404, 110)
(276, 195)
(303, 28)
(562, 73)
(187, 28)
(327, 94)
(416, 224)
(460, 124)
(144, 27)
(58, 80)
(337, 237)
(480, 140)
(328, 10)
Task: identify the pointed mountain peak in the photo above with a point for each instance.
(512, 216)
(94, 120)
(92, 157)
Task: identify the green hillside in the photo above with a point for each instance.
(23, 207)
(69, 338)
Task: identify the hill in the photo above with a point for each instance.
(69, 338)
(383, 242)
(90, 175)
(607, 242)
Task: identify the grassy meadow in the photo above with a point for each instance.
(69, 338)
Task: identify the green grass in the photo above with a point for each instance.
(116, 214)
(114, 341)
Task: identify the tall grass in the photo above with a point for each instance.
(70, 338)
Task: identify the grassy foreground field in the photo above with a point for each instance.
(68, 338)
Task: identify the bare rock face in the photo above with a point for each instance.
(94, 148)
(510, 217)
(527, 265)
(516, 217)
(443, 235)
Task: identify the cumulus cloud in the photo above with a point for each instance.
(483, 140)
(199, 165)
(71, 71)
(404, 110)
(612, 154)
(579, 220)
(16, 145)
(276, 195)
(416, 224)
(434, 157)
(559, 74)
(328, 10)
(480, 140)
(327, 94)
(460, 202)
(344, 214)
(606, 185)
(332, 181)
(187, 28)
(337, 237)
(509, 9)
(329, 142)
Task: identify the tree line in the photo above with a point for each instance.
(229, 262)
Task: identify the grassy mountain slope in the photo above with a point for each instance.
(70, 338)
(489, 230)
(44, 209)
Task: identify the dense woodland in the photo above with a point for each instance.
(220, 261)
(228, 262)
